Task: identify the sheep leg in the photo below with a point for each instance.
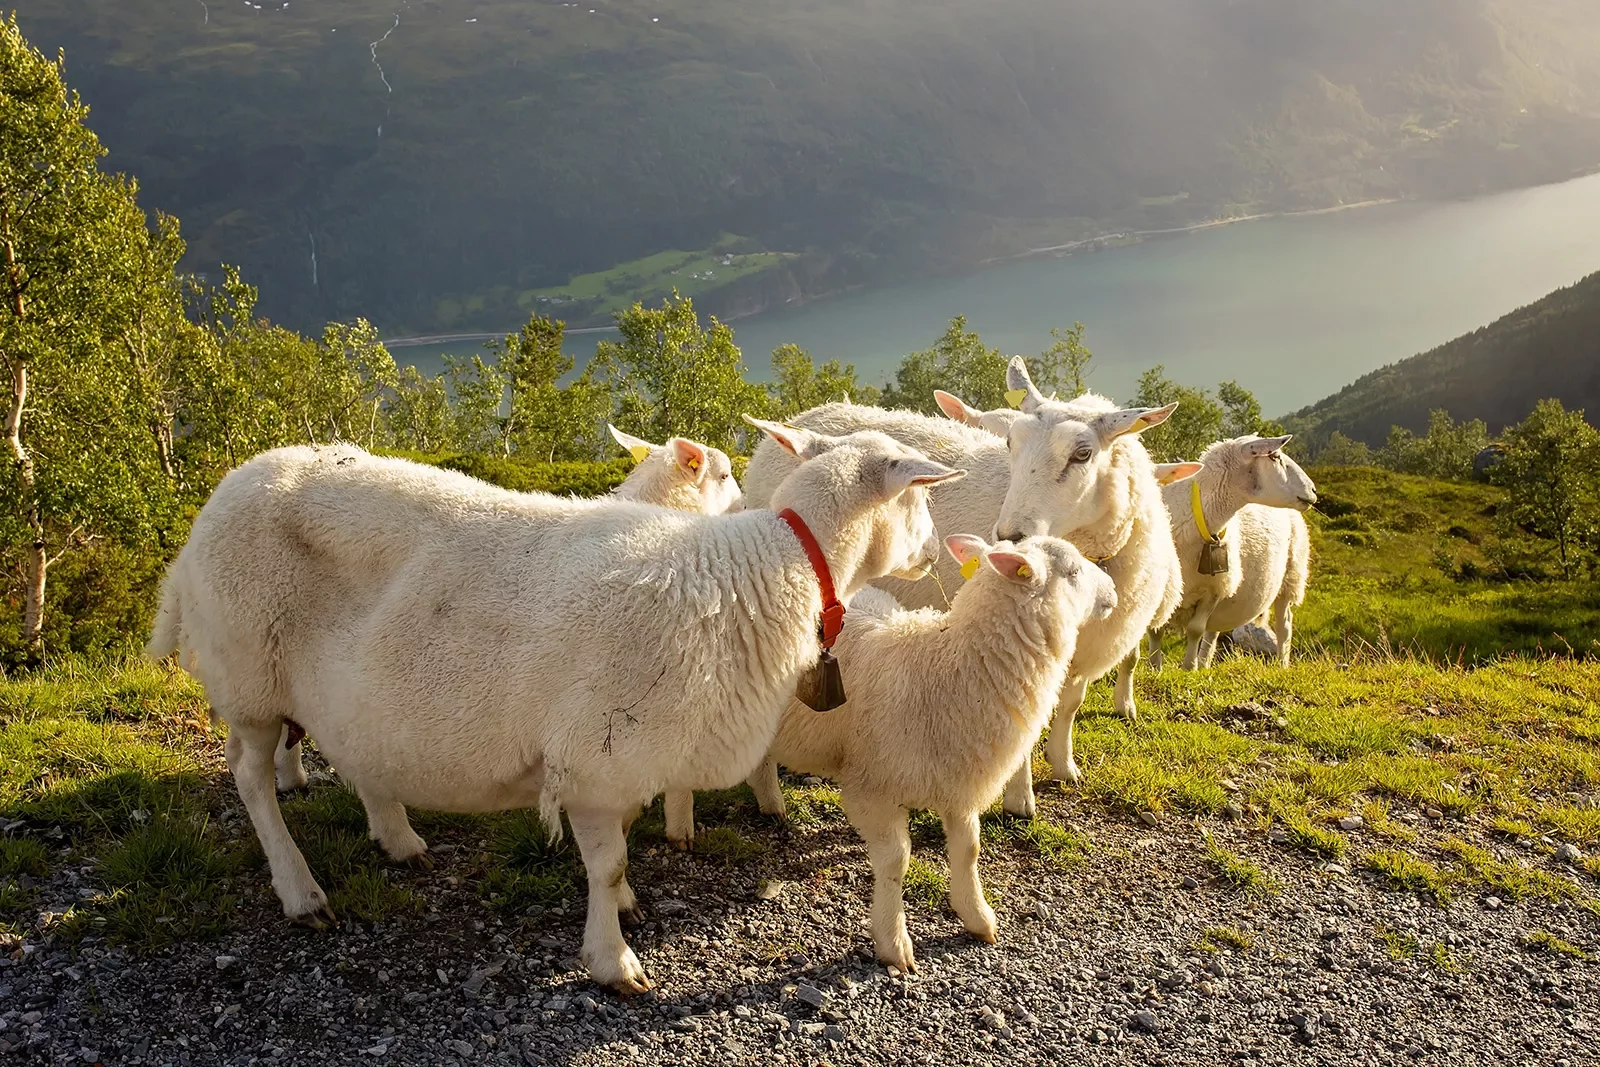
(679, 805)
(1019, 789)
(764, 783)
(966, 889)
(882, 826)
(605, 857)
(1194, 638)
(1124, 693)
(1058, 749)
(250, 751)
(1157, 657)
(1208, 649)
(388, 826)
(291, 773)
(1283, 628)
(627, 901)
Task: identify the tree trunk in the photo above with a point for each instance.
(38, 561)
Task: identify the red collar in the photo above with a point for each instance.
(832, 610)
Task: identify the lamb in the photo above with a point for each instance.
(681, 474)
(941, 708)
(1073, 470)
(1245, 473)
(456, 646)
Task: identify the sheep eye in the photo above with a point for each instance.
(1082, 455)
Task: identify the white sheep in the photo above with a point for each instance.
(1073, 470)
(1207, 512)
(681, 474)
(1275, 564)
(941, 708)
(455, 646)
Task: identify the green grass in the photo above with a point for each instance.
(21, 855)
(528, 868)
(1408, 872)
(1217, 938)
(1446, 960)
(926, 883)
(172, 878)
(728, 845)
(649, 278)
(1515, 880)
(1399, 945)
(1039, 836)
(1236, 871)
(1544, 941)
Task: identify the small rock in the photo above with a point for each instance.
(1492, 903)
(1335, 868)
(687, 1025)
(1218, 967)
(1247, 710)
(833, 1032)
(811, 781)
(474, 983)
(1098, 1037)
(224, 962)
(1190, 883)
(1281, 722)
(810, 994)
(770, 890)
(89, 1055)
(1569, 853)
(1433, 813)
(1232, 811)
(672, 907)
(1145, 1020)
(1352, 822)
(1041, 911)
(994, 1020)
(799, 960)
(1230, 785)
(1149, 818)
(460, 1047)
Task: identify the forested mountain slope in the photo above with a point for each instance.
(1550, 348)
(439, 164)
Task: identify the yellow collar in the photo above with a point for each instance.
(1200, 514)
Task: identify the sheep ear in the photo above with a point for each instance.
(1266, 446)
(956, 408)
(967, 550)
(1014, 565)
(1167, 473)
(1019, 382)
(637, 447)
(803, 444)
(690, 456)
(902, 474)
(1113, 424)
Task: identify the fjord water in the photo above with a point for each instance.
(1294, 307)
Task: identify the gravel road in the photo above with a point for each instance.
(1099, 962)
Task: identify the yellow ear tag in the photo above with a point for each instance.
(1024, 571)
(1015, 397)
(970, 567)
(694, 464)
(639, 453)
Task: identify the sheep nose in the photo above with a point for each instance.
(1010, 533)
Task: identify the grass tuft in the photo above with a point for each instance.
(1237, 871)
(1039, 836)
(1408, 872)
(728, 845)
(1217, 938)
(22, 855)
(1544, 941)
(1399, 945)
(1513, 879)
(527, 868)
(926, 883)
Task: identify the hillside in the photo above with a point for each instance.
(453, 164)
(1550, 348)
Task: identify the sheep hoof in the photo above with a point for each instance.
(685, 844)
(322, 918)
(421, 861)
(293, 785)
(632, 916)
(1130, 713)
(632, 985)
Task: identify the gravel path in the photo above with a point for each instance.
(1099, 962)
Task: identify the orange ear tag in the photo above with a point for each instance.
(639, 453)
(970, 567)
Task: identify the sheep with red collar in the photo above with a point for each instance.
(1069, 469)
(455, 646)
(941, 708)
